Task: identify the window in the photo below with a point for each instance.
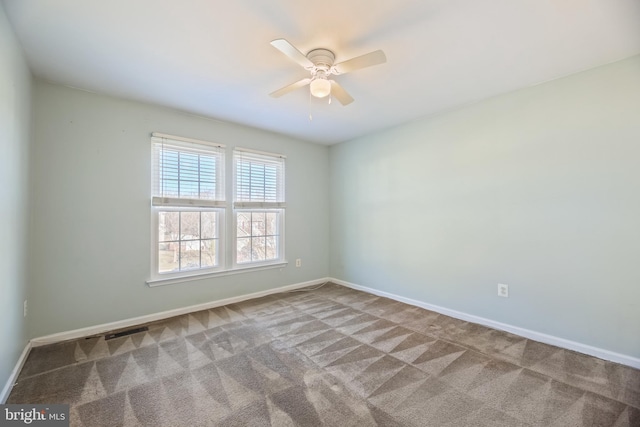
(187, 240)
(188, 205)
(258, 207)
(189, 208)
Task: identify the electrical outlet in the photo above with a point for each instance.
(298, 262)
(503, 290)
(24, 308)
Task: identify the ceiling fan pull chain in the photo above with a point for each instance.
(310, 116)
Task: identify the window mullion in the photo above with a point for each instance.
(179, 241)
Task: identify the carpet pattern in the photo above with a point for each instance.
(334, 357)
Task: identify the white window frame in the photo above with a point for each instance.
(220, 232)
(281, 240)
(162, 201)
(276, 203)
(227, 215)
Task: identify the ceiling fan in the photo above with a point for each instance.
(320, 63)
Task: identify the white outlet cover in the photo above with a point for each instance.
(503, 290)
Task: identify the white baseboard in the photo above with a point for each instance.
(6, 390)
(106, 327)
(526, 333)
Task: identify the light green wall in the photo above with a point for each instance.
(90, 247)
(538, 189)
(15, 120)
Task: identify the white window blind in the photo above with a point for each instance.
(187, 172)
(259, 180)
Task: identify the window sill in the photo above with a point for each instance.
(173, 280)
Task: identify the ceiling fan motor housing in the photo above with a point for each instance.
(322, 59)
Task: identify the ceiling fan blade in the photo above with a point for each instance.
(340, 94)
(288, 49)
(366, 60)
(283, 91)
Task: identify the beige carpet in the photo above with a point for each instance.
(334, 357)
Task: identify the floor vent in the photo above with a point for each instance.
(124, 333)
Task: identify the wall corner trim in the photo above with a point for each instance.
(623, 359)
(11, 381)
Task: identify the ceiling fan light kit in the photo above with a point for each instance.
(320, 87)
(320, 63)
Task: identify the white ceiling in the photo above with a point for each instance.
(213, 57)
